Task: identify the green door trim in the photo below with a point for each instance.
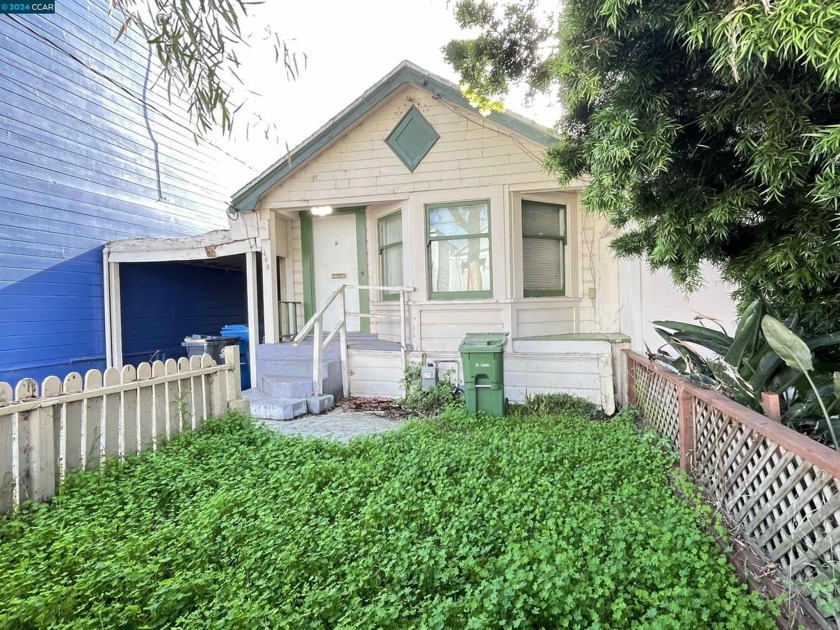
(307, 247)
(361, 254)
(308, 263)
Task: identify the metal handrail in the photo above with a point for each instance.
(316, 323)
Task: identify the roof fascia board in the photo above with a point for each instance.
(406, 73)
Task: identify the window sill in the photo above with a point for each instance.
(544, 294)
(459, 296)
(557, 299)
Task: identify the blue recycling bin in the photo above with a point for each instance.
(241, 331)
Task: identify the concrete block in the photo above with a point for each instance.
(320, 404)
(286, 386)
(243, 405)
(278, 408)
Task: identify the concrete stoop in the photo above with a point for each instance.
(285, 387)
(266, 407)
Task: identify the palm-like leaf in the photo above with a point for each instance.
(714, 340)
(787, 345)
(746, 335)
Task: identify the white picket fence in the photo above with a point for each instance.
(76, 423)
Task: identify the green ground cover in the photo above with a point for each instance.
(457, 522)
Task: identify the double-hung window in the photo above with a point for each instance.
(458, 248)
(391, 254)
(543, 248)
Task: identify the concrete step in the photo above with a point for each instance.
(288, 352)
(291, 379)
(304, 348)
(266, 407)
(296, 367)
(286, 386)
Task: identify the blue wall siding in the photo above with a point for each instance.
(84, 159)
(188, 299)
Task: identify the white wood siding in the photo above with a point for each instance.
(374, 373)
(545, 317)
(442, 326)
(471, 152)
(473, 160)
(576, 374)
(578, 367)
(385, 322)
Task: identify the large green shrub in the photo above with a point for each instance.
(709, 129)
(459, 522)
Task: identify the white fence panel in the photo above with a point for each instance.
(72, 422)
(60, 427)
(92, 440)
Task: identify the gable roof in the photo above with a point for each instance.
(406, 73)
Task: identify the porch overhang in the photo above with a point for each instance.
(207, 246)
(203, 248)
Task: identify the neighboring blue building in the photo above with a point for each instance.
(91, 151)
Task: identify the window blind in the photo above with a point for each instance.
(543, 248)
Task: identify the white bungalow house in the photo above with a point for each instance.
(411, 189)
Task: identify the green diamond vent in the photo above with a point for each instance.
(412, 138)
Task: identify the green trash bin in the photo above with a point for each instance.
(483, 356)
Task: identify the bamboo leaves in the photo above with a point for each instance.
(707, 132)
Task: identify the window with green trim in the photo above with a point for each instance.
(543, 248)
(458, 244)
(391, 254)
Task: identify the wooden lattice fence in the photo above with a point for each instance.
(75, 423)
(776, 487)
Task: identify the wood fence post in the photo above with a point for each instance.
(685, 405)
(772, 405)
(233, 377)
(631, 380)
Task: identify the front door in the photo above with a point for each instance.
(336, 263)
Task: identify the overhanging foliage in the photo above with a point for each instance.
(710, 131)
(197, 45)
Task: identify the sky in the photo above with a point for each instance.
(349, 46)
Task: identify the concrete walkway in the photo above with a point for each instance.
(337, 424)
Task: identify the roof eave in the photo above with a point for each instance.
(405, 73)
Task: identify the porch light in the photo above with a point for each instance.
(321, 211)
